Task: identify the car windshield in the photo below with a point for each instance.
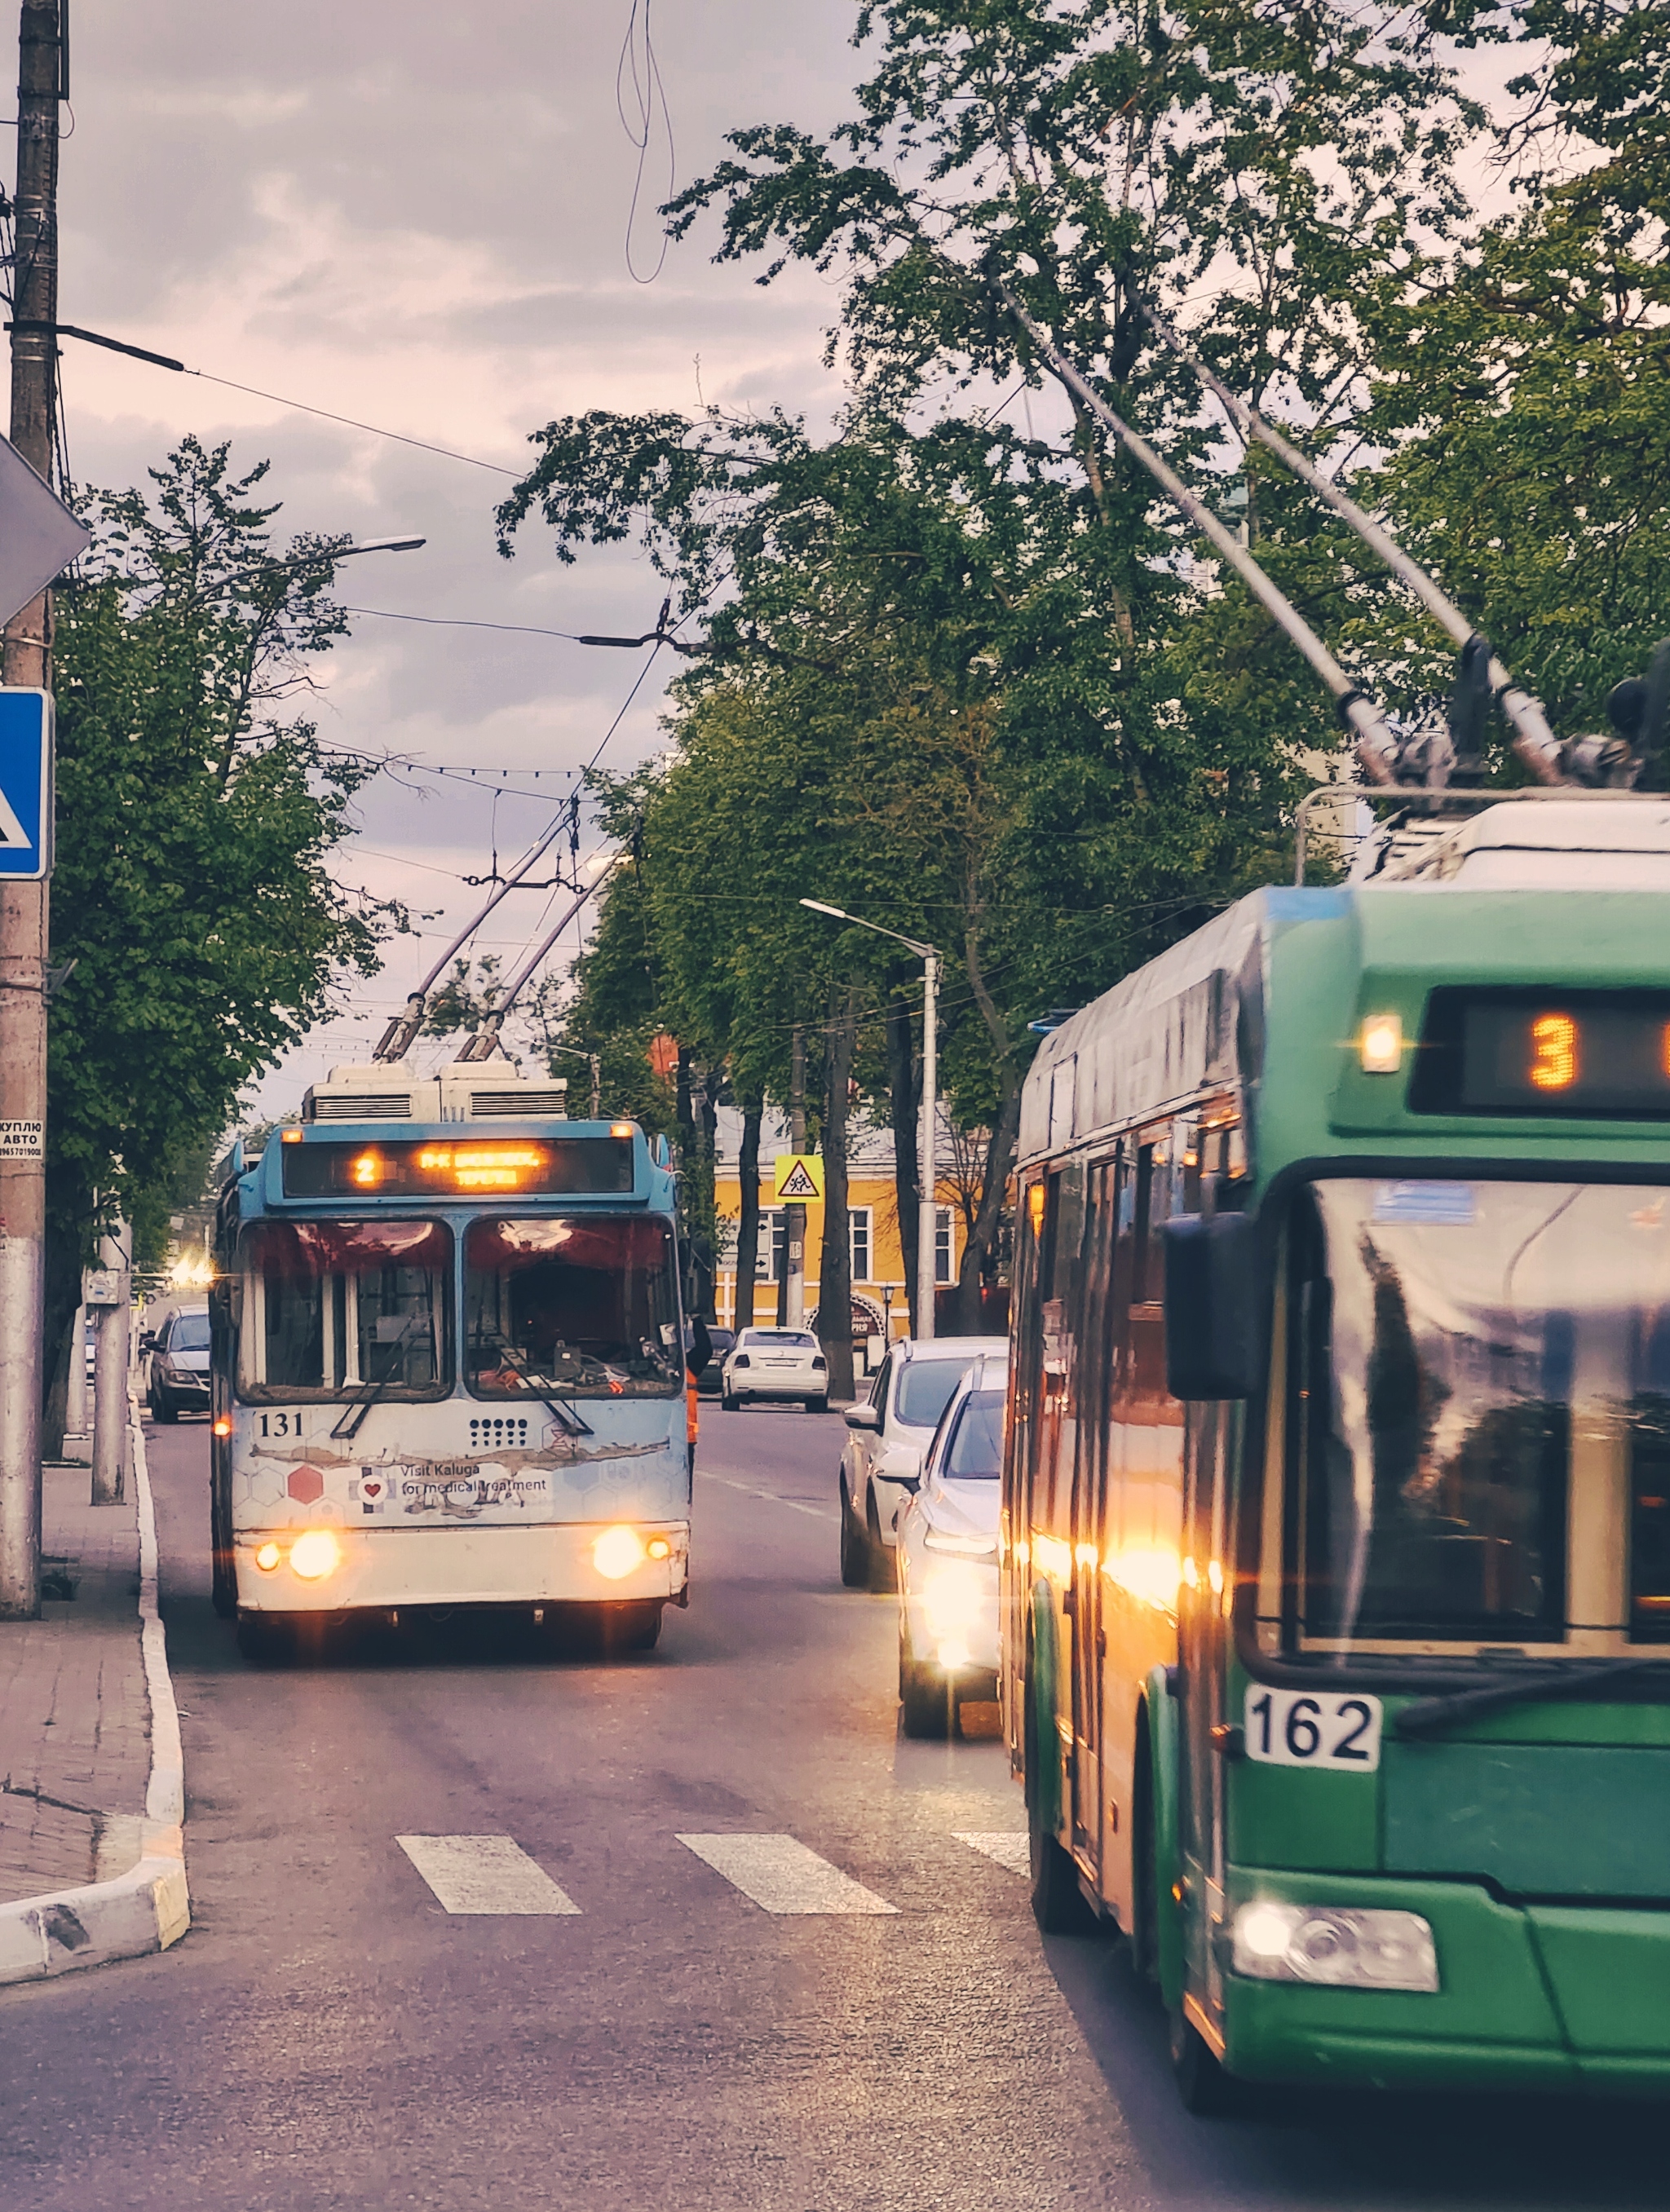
(925, 1389)
(190, 1333)
(1478, 1425)
(976, 1447)
(333, 1307)
(588, 1307)
(778, 1340)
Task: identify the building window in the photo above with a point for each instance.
(858, 1224)
(771, 1250)
(943, 1246)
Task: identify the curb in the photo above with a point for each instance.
(149, 1907)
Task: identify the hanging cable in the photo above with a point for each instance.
(649, 96)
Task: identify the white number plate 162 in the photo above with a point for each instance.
(1294, 1727)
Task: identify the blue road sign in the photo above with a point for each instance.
(26, 783)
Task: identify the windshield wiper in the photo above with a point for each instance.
(568, 1420)
(1561, 1679)
(347, 1429)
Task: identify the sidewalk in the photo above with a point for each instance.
(91, 1860)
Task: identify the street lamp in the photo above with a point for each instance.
(319, 560)
(928, 1172)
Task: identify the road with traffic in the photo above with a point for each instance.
(730, 1942)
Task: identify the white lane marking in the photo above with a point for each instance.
(748, 1490)
(485, 1874)
(1008, 1846)
(783, 1875)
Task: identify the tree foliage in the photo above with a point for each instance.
(199, 812)
(974, 680)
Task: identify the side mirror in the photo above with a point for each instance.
(147, 1339)
(1214, 1309)
(864, 1416)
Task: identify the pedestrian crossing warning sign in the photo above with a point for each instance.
(799, 1176)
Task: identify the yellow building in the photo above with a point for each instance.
(881, 1303)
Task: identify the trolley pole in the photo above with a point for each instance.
(23, 906)
(794, 1217)
(927, 1212)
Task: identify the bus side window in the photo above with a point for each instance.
(1061, 1291)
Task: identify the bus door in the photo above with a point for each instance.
(1203, 1620)
(1089, 1511)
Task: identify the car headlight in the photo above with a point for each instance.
(954, 1595)
(963, 1548)
(1342, 1946)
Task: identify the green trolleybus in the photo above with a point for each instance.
(1336, 1536)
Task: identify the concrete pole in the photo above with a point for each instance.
(927, 1210)
(75, 1399)
(110, 1374)
(23, 907)
(794, 1217)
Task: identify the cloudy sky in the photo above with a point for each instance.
(416, 215)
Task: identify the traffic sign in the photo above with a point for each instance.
(799, 1176)
(38, 535)
(26, 783)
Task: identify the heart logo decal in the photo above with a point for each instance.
(371, 1489)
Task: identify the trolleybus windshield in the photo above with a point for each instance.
(334, 1308)
(588, 1307)
(1478, 1411)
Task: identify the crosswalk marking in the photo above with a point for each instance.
(485, 1874)
(783, 1875)
(1008, 1846)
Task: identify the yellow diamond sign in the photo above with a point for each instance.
(798, 1177)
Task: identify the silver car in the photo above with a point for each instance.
(948, 1559)
(784, 1366)
(889, 1434)
(178, 1379)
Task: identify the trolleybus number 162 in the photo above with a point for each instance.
(1292, 1728)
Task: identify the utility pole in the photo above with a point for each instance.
(23, 906)
(927, 1212)
(793, 1310)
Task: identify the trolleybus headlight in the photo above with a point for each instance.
(267, 1557)
(616, 1552)
(314, 1554)
(223, 1426)
(1382, 1044)
(1343, 1945)
(658, 1547)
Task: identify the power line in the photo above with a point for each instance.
(375, 429)
(459, 621)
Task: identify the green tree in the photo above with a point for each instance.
(1521, 398)
(198, 815)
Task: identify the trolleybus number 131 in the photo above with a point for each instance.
(1291, 1727)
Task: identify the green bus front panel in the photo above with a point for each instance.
(1534, 1997)
(1544, 1870)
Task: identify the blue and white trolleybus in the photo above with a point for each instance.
(448, 1362)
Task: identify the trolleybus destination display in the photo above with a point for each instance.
(590, 1167)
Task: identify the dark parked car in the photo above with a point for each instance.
(709, 1379)
(180, 1366)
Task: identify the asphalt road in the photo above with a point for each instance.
(328, 2035)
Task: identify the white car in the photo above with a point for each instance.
(780, 1365)
(889, 1434)
(948, 1559)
